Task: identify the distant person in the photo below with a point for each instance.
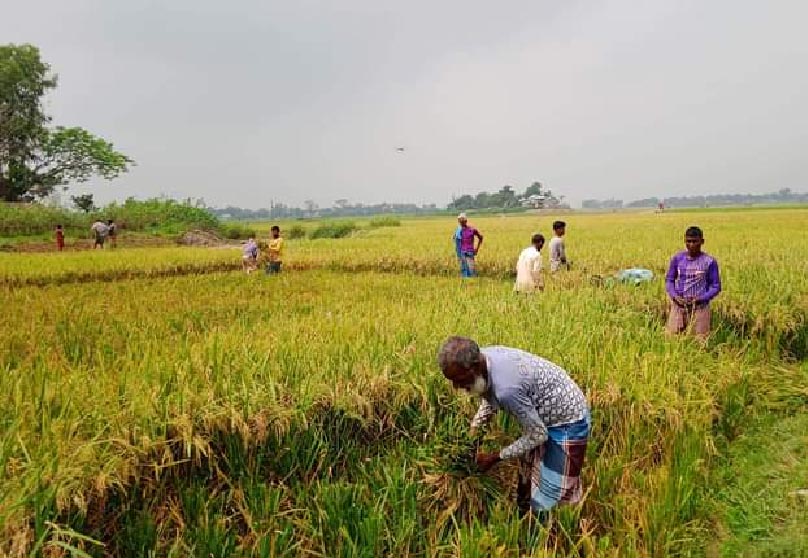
(275, 251)
(692, 282)
(112, 233)
(558, 254)
(464, 246)
(528, 267)
(60, 238)
(100, 230)
(549, 406)
(249, 256)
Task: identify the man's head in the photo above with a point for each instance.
(694, 239)
(276, 231)
(59, 227)
(462, 219)
(463, 364)
(109, 221)
(559, 228)
(538, 241)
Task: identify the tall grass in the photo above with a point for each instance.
(154, 215)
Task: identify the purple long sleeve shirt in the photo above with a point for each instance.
(693, 277)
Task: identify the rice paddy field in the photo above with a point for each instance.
(159, 402)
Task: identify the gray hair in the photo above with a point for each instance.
(461, 351)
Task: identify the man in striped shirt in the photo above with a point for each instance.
(692, 282)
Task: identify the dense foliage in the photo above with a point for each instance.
(154, 215)
(34, 157)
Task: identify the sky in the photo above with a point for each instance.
(250, 102)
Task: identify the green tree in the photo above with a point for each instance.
(482, 200)
(462, 203)
(35, 159)
(84, 202)
(506, 197)
(534, 189)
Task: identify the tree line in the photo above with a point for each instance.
(784, 195)
(535, 196)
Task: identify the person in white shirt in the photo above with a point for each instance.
(100, 230)
(528, 267)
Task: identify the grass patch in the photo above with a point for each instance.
(758, 487)
(333, 229)
(386, 221)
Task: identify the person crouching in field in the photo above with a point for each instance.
(249, 256)
(692, 282)
(275, 251)
(464, 246)
(60, 238)
(550, 407)
(528, 267)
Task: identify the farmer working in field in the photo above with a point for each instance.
(464, 246)
(558, 255)
(692, 282)
(275, 251)
(100, 230)
(549, 406)
(528, 267)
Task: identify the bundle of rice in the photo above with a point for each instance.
(453, 486)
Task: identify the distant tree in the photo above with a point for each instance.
(482, 200)
(35, 159)
(462, 203)
(84, 202)
(534, 189)
(505, 198)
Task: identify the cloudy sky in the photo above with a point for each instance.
(249, 101)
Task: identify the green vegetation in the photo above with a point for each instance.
(235, 231)
(385, 221)
(294, 232)
(34, 158)
(761, 482)
(333, 229)
(166, 217)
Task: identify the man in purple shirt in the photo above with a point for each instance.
(692, 282)
(464, 246)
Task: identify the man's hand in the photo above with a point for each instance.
(487, 460)
(680, 300)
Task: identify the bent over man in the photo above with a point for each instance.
(550, 407)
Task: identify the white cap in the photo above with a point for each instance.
(461, 216)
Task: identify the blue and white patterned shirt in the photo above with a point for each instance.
(538, 393)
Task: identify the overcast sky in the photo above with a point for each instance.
(249, 101)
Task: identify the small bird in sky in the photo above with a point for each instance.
(400, 149)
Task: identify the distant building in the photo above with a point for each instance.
(536, 201)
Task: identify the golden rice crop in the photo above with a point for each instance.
(303, 414)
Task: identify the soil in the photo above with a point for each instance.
(190, 238)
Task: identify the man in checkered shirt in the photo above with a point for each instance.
(550, 407)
